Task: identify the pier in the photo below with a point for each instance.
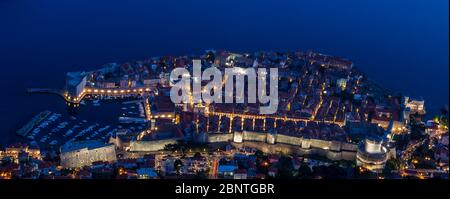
(90, 91)
(59, 92)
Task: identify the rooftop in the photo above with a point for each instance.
(74, 78)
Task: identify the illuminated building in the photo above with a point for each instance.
(76, 82)
(78, 154)
(15, 149)
(415, 105)
(372, 154)
(342, 83)
(106, 84)
(162, 107)
(434, 129)
(127, 83)
(164, 79)
(151, 82)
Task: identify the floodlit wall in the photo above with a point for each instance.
(85, 156)
(284, 139)
(254, 136)
(155, 145)
(333, 150)
(220, 137)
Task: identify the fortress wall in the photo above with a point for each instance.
(292, 149)
(333, 155)
(349, 146)
(335, 146)
(323, 144)
(85, 157)
(151, 145)
(285, 139)
(253, 136)
(269, 148)
(306, 143)
(348, 155)
(220, 137)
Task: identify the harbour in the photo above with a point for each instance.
(35, 120)
(50, 130)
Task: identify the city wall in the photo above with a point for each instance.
(154, 145)
(266, 142)
(280, 143)
(85, 157)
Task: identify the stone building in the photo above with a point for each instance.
(84, 153)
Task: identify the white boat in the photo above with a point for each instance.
(68, 132)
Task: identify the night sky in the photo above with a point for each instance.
(401, 44)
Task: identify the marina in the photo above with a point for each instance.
(30, 125)
(49, 130)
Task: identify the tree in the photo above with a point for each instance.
(391, 164)
(443, 118)
(426, 164)
(210, 57)
(259, 154)
(444, 110)
(285, 167)
(201, 175)
(362, 173)
(66, 171)
(197, 155)
(370, 116)
(417, 132)
(5, 161)
(170, 147)
(329, 172)
(304, 172)
(177, 165)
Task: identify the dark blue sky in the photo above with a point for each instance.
(402, 44)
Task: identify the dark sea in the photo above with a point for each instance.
(401, 44)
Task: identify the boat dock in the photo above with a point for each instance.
(32, 123)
